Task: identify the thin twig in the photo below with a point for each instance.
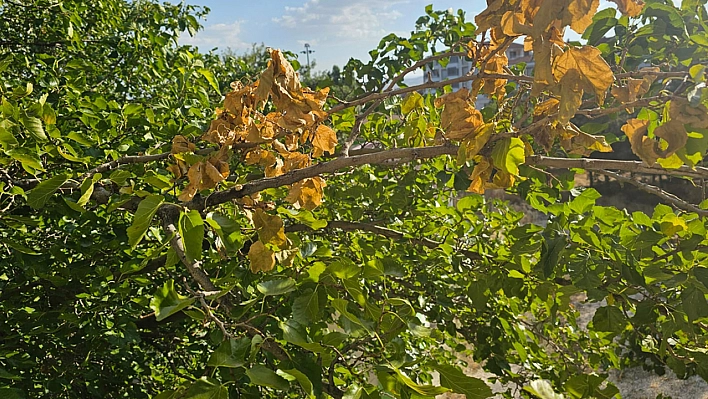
(383, 231)
(207, 309)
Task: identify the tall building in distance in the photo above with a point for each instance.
(460, 66)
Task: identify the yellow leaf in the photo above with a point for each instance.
(578, 70)
(459, 118)
(295, 160)
(592, 69)
(472, 145)
(264, 84)
(630, 8)
(480, 175)
(270, 228)
(491, 17)
(571, 96)
(307, 193)
(324, 139)
(180, 144)
(212, 175)
(547, 107)
(644, 147)
(579, 14)
(575, 141)
(274, 170)
(681, 110)
(262, 259)
(675, 135)
(220, 132)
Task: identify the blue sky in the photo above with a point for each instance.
(336, 29)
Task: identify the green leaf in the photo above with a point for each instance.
(119, 176)
(301, 378)
(130, 109)
(585, 201)
(694, 303)
(550, 255)
(228, 230)
(34, 127)
(231, 353)
(26, 157)
(306, 308)
(11, 393)
(143, 217)
(411, 102)
(191, 228)
(701, 274)
(87, 189)
(508, 154)
(543, 390)
(425, 390)
(206, 389)
(305, 217)
(344, 268)
(458, 382)
(610, 319)
(263, 376)
(276, 287)
(167, 301)
(341, 306)
(38, 196)
(209, 76)
(7, 140)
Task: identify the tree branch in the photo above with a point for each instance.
(193, 267)
(428, 85)
(613, 164)
(666, 196)
(294, 176)
(383, 231)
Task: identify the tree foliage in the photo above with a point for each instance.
(166, 234)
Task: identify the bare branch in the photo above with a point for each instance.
(360, 120)
(383, 231)
(428, 85)
(193, 267)
(659, 74)
(294, 176)
(422, 63)
(666, 196)
(613, 164)
(597, 112)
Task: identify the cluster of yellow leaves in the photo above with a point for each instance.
(272, 140)
(670, 137)
(634, 89)
(202, 175)
(462, 122)
(567, 73)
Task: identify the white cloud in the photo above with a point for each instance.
(345, 20)
(217, 35)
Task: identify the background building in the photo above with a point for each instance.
(461, 66)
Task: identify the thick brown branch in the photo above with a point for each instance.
(383, 231)
(668, 197)
(294, 176)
